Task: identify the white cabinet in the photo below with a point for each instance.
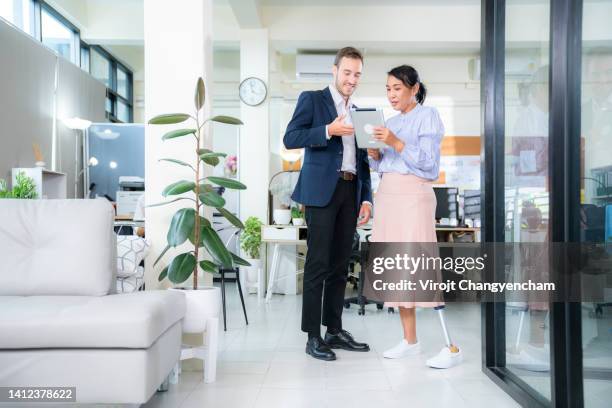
(49, 184)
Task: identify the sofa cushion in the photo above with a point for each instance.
(129, 320)
(131, 250)
(57, 247)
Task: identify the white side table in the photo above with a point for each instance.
(277, 235)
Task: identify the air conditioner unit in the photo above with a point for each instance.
(314, 66)
(515, 66)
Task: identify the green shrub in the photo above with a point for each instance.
(251, 237)
(24, 188)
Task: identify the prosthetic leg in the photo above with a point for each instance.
(450, 355)
(447, 339)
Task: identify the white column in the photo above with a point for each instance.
(178, 50)
(254, 152)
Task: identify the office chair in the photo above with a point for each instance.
(359, 255)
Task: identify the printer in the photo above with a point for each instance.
(130, 190)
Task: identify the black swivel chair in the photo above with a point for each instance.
(359, 255)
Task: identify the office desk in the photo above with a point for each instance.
(126, 224)
(276, 236)
(288, 235)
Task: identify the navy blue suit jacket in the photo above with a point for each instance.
(323, 158)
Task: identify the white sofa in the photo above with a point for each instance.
(60, 323)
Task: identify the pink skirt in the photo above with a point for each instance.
(404, 211)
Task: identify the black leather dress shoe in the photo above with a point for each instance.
(317, 348)
(344, 340)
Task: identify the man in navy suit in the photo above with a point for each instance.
(334, 186)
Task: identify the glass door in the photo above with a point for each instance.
(547, 177)
(526, 180)
(596, 195)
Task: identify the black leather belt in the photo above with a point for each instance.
(347, 175)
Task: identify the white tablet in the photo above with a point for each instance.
(364, 121)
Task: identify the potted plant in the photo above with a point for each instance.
(282, 215)
(188, 224)
(250, 242)
(24, 188)
(297, 217)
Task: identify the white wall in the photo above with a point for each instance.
(255, 135)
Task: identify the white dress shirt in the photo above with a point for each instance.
(349, 156)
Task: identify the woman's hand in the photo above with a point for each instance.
(374, 153)
(388, 137)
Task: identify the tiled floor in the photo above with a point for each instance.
(264, 364)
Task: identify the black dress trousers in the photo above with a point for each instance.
(331, 230)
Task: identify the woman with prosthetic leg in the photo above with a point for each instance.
(405, 202)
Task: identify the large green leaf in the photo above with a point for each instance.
(162, 254)
(179, 187)
(170, 202)
(227, 182)
(179, 162)
(169, 118)
(200, 94)
(231, 218)
(228, 120)
(173, 134)
(208, 266)
(163, 274)
(216, 248)
(181, 226)
(181, 267)
(239, 261)
(204, 223)
(212, 158)
(212, 154)
(206, 187)
(212, 199)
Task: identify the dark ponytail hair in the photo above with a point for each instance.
(410, 77)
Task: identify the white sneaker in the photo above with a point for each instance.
(403, 349)
(445, 359)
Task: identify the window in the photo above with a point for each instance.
(118, 80)
(7, 10)
(100, 67)
(123, 111)
(122, 83)
(58, 34)
(44, 23)
(18, 13)
(85, 53)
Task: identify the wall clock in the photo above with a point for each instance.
(253, 91)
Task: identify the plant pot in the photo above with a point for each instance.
(252, 270)
(297, 221)
(201, 305)
(251, 274)
(281, 216)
